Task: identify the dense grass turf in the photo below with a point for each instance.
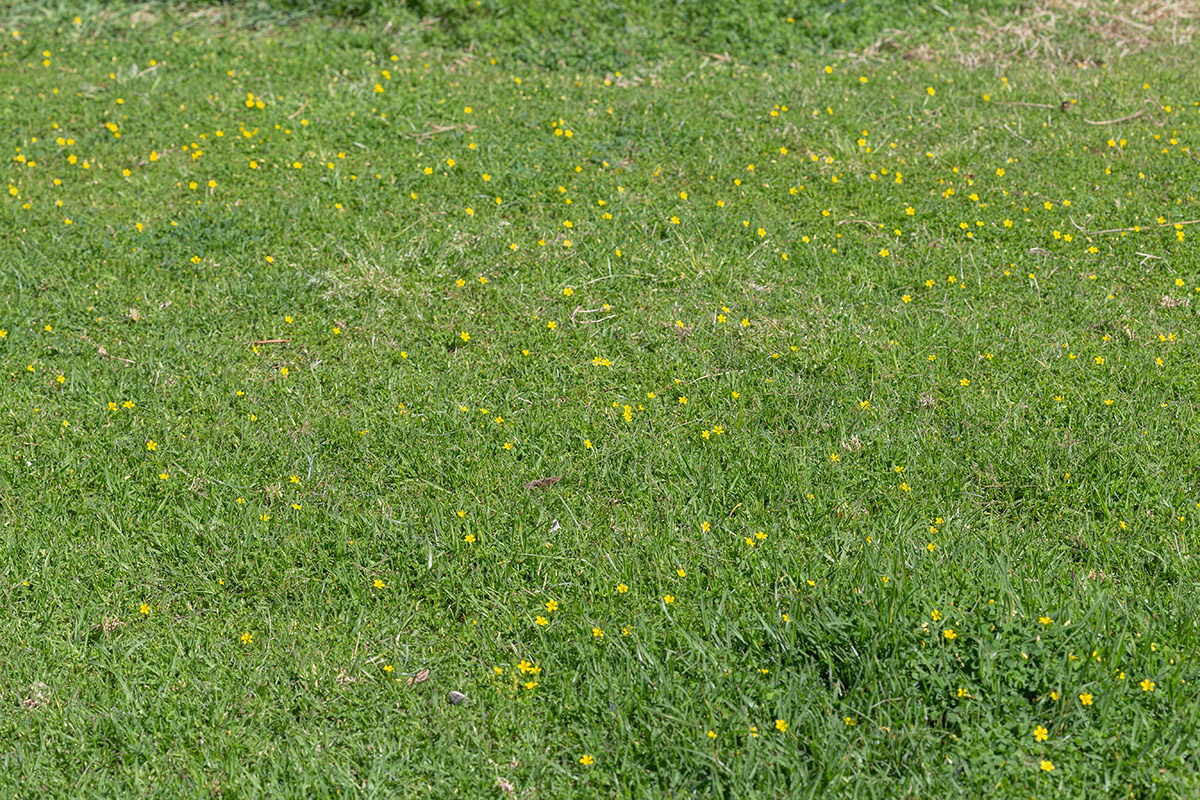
(871, 385)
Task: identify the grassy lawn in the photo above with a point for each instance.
(815, 419)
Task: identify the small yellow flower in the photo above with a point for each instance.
(1085, 698)
(145, 609)
(781, 725)
(1047, 766)
(1040, 734)
(587, 760)
(247, 637)
(1147, 685)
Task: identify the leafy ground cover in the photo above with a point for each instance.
(716, 425)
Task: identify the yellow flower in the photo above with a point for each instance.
(950, 633)
(781, 726)
(587, 760)
(1040, 734)
(1147, 685)
(668, 599)
(1047, 766)
(1085, 698)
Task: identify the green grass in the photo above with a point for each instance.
(936, 331)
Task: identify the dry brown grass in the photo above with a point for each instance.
(1083, 32)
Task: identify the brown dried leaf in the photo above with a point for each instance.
(420, 677)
